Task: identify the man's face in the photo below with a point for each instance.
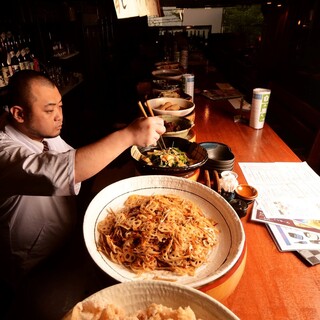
(44, 120)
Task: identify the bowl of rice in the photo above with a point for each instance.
(150, 300)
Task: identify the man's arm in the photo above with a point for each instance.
(91, 159)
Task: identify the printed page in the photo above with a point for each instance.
(286, 190)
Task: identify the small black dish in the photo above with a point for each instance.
(240, 206)
(193, 150)
(220, 156)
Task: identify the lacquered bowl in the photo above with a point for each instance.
(246, 192)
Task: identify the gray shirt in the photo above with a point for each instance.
(37, 209)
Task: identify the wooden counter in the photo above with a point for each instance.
(274, 285)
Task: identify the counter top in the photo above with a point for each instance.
(274, 285)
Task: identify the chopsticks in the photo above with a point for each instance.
(213, 183)
(160, 142)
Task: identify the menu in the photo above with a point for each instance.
(224, 91)
(288, 203)
(288, 190)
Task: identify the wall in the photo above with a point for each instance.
(204, 17)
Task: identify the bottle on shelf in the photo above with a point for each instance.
(12, 60)
(2, 82)
(5, 68)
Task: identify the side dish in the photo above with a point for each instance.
(170, 157)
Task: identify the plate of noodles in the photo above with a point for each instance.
(150, 300)
(157, 227)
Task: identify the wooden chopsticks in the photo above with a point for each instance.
(160, 142)
(213, 183)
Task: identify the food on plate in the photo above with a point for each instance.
(169, 94)
(94, 311)
(169, 106)
(172, 126)
(158, 232)
(169, 157)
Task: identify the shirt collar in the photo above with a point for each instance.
(17, 135)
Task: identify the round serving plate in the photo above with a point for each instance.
(221, 259)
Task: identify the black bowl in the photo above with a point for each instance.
(220, 156)
(193, 150)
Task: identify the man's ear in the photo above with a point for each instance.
(17, 113)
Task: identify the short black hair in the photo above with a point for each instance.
(19, 87)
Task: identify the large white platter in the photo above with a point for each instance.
(222, 258)
(138, 295)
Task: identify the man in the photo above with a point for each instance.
(36, 187)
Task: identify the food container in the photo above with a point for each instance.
(193, 150)
(170, 74)
(246, 192)
(176, 126)
(185, 107)
(220, 156)
(138, 295)
(225, 263)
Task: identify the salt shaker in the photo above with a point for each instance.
(228, 183)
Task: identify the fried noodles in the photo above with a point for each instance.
(158, 232)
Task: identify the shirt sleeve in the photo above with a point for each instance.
(27, 173)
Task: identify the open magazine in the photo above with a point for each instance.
(288, 236)
(309, 225)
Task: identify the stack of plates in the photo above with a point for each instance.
(220, 156)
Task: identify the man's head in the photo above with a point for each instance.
(35, 105)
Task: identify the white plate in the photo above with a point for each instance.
(138, 295)
(221, 259)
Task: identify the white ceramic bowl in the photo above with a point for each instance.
(186, 106)
(220, 260)
(138, 295)
(176, 126)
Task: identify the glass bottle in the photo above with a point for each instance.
(5, 70)
(13, 60)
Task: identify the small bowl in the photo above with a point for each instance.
(176, 126)
(167, 65)
(246, 192)
(170, 74)
(220, 156)
(186, 107)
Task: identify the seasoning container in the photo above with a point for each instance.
(240, 207)
(228, 183)
(188, 84)
(184, 59)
